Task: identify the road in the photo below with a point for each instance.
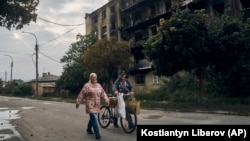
(59, 121)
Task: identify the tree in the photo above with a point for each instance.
(105, 58)
(180, 45)
(72, 78)
(17, 13)
(186, 42)
(230, 46)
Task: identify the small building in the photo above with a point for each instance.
(46, 84)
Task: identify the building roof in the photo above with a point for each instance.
(47, 84)
(47, 77)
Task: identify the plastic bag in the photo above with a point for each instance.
(121, 106)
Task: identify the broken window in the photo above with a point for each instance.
(245, 4)
(104, 14)
(153, 30)
(94, 19)
(139, 79)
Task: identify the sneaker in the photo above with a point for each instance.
(98, 137)
(116, 126)
(131, 125)
(90, 131)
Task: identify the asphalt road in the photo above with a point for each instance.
(59, 121)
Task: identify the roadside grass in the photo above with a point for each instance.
(187, 102)
(230, 106)
(223, 108)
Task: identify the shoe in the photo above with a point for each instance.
(98, 137)
(130, 126)
(116, 126)
(90, 132)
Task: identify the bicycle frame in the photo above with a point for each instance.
(107, 114)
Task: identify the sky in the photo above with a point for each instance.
(53, 40)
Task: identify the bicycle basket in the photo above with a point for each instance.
(134, 104)
(113, 102)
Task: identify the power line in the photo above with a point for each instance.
(14, 52)
(57, 36)
(49, 57)
(31, 55)
(77, 25)
(59, 23)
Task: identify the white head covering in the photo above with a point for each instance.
(92, 75)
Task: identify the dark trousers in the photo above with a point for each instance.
(128, 118)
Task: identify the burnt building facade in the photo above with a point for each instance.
(136, 20)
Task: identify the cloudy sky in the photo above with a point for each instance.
(53, 40)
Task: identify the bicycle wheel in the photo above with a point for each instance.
(104, 117)
(129, 124)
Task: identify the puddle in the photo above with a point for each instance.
(26, 108)
(152, 117)
(8, 131)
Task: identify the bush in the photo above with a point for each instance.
(22, 90)
(18, 90)
(182, 87)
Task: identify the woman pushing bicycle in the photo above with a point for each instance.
(122, 85)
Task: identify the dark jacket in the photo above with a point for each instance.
(125, 87)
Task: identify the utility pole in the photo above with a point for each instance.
(36, 49)
(11, 65)
(5, 76)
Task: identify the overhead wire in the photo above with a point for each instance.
(15, 52)
(57, 36)
(76, 25)
(49, 57)
(59, 23)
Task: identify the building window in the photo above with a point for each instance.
(218, 6)
(112, 26)
(139, 79)
(138, 36)
(153, 30)
(245, 4)
(94, 19)
(103, 14)
(155, 79)
(112, 29)
(104, 30)
(152, 10)
(137, 18)
(112, 10)
(95, 33)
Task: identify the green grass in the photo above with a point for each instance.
(222, 105)
(230, 106)
(225, 108)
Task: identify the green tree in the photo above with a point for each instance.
(230, 48)
(17, 13)
(105, 58)
(180, 45)
(72, 78)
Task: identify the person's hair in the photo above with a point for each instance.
(122, 72)
(91, 75)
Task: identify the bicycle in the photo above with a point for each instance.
(108, 113)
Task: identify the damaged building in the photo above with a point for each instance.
(136, 20)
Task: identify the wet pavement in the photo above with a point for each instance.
(8, 131)
(59, 121)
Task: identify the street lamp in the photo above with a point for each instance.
(10, 65)
(36, 48)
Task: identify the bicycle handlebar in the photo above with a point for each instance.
(127, 94)
(124, 94)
